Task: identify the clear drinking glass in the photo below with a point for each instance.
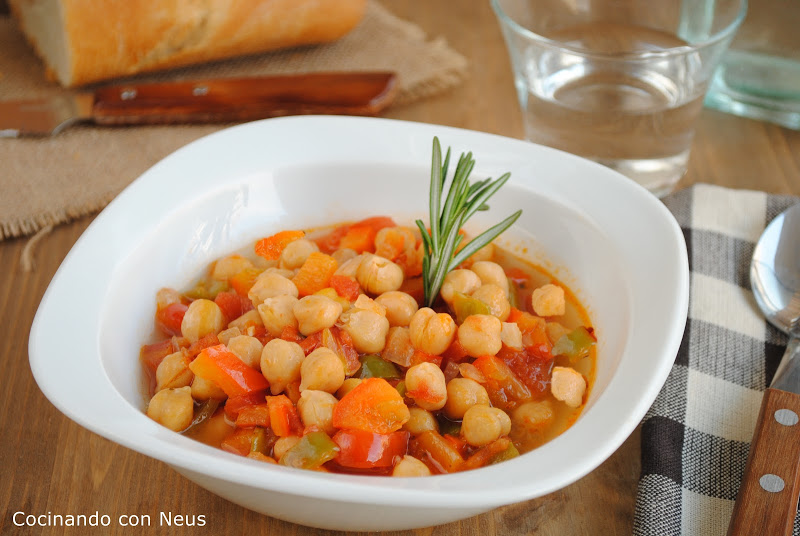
(618, 81)
(760, 74)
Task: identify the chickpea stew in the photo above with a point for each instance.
(316, 352)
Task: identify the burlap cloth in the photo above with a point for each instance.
(48, 181)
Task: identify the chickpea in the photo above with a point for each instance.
(296, 252)
(280, 363)
(426, 385)
(496, 298)
(480, 335)
(491, 273)
(173, 408)
(316, 409)
(511, 335)
(350, 267)
(377, 275)
(343, 255)
(173, 372)
(484, 254)
(432, 332)
(568, 385)
(226, 335)
(251, 318)
(348, 385)
(484, 424)
(285, 272)
(462, 394)
(202, 318)
(368, 330)
(548, 300)
(203, 389)
(269, 285)
(531, 418)
(282, 445)
(400, 307)
(248, 349)
(167, 296)
(278, 313)
(460, 280)
(421, 420)
(229, 266)
(365, 302)
(322, 370)
(409, 466)
(315, 313)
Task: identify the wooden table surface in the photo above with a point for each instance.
(50, 464)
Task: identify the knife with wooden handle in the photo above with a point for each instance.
(203, 101)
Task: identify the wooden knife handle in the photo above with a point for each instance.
(244, 99)
(767, 499)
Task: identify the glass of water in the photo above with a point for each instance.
(620, 82)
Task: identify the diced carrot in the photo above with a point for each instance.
(224, 368)
(255, 415)
(359, 238)
(244, 280)
(372, 406)
(271, 247)
(315, 274)
(346, 287)
(283, 416)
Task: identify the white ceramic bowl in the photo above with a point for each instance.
(615, 244)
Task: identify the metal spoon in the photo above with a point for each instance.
(767, 499)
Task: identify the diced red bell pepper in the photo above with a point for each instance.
(255, 415)
(271, 247)
(244, 280)
(235, 404)
(202, 343)
(224, 368)
(169, 318)
(364, 450)
(283, 416)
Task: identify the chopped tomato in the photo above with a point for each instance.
(364, 450)
(372, 406)
(359, 235)
(415, 287)
(271, 247)
(330, 242)
(455, 352)
(233, 305)
(503, 386)
(421, 357)
(291, 334)
(151, 355)
(346, 287)
(534, 334)
(529, 367)
(224, 368)
(169, 318)
(283, 416)
(235, 404)
(199, 345)
(311, 343)
(342, 344)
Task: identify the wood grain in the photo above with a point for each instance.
(775, 450)
(51, 464)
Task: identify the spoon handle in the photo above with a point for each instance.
(767, 499)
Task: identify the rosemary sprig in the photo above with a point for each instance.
(462, 201)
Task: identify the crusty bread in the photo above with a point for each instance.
(84, 41)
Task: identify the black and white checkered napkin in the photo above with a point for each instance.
(697, 434)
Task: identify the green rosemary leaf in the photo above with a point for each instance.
(437, 183)
(482, 239)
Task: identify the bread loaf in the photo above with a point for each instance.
(84, 41)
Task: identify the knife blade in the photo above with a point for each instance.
(203, 101)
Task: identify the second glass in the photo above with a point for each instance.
(619, 82)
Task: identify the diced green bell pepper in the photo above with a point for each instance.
(575, 344)
(513, 298)
(313, 450)
(374, 366)
(464, 306)
(401, 388)
(509, 453)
